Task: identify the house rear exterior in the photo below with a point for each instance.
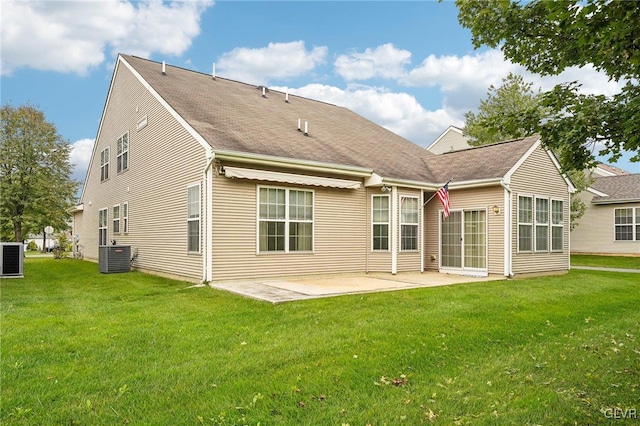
(611, 222)
(212, 179)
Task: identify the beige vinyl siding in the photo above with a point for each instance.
(163, 160)
(340, 233)
(538, 176)
(469, 199)
(595, 230)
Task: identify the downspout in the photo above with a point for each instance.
(421, 233)
(508, 229)
(207, 261)
(394, 230)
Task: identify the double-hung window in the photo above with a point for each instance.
(102, 227)
(542, 224)
(116, 219)
(380, 222)
(557, 225)
(525, 223)
(627, 224)
(122, 159)
(193, 218)
(285, 220)
(104, 164)
(409, 213)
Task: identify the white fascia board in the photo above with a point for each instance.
(596, 192)
(474, 183)
(512, 170)
(406, 183)
(572, 188)
(308, 165)
(617, 201)
(95, 141)
(171, 111)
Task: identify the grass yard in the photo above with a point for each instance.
(623, 262)
(81, 348)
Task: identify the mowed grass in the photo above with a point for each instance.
(624, 262)
(82, 348)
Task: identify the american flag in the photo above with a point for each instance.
(443, 196)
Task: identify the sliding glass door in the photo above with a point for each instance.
(463, 240)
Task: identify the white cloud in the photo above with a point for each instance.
(399, 112)
(277, 60)
(384, 61)
(70, 36)
(80, 157)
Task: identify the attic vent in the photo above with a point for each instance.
(264, 89)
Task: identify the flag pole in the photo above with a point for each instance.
(434, 194)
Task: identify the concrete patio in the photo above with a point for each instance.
(302, 288)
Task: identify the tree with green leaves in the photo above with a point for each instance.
(496, 117)
(548, 37)
(496, 121)
(36, 188)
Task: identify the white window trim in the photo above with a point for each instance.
(115, 219)
(287, 221)
(119, 155)
(103, 226)
(193, 219)
(388, 223)
(541, 224)
(105, 154)
(634, 235)
(417, 225)
(531, 224)
(552, 225)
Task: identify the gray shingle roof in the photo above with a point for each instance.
(234, 116)
(485, 162)
(618, 188)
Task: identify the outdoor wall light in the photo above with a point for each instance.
(496, 209)
(385, 188)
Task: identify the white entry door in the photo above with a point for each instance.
(463, 241)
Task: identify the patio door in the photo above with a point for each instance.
(463, 241)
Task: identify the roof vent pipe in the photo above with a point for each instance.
(213, 71)
(264, 92)
(299, 125)
(286, 97)
(306, 128)
(164, 68)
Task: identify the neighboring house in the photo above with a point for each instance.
(450, 140)
(211, 179)
(611, 223)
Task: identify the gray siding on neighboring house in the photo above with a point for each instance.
(163, 160)
(340, 230)
(450, 141)
(537, 176)
(595, 230)
(469, 199)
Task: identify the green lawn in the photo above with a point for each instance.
(605, 261)
(81, 348)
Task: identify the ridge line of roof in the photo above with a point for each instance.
(232, 80)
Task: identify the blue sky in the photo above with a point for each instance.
(408, 66)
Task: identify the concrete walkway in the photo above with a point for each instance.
(599, 268)
(290, 289)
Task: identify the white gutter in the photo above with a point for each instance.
(207, 178)
(508, 229)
